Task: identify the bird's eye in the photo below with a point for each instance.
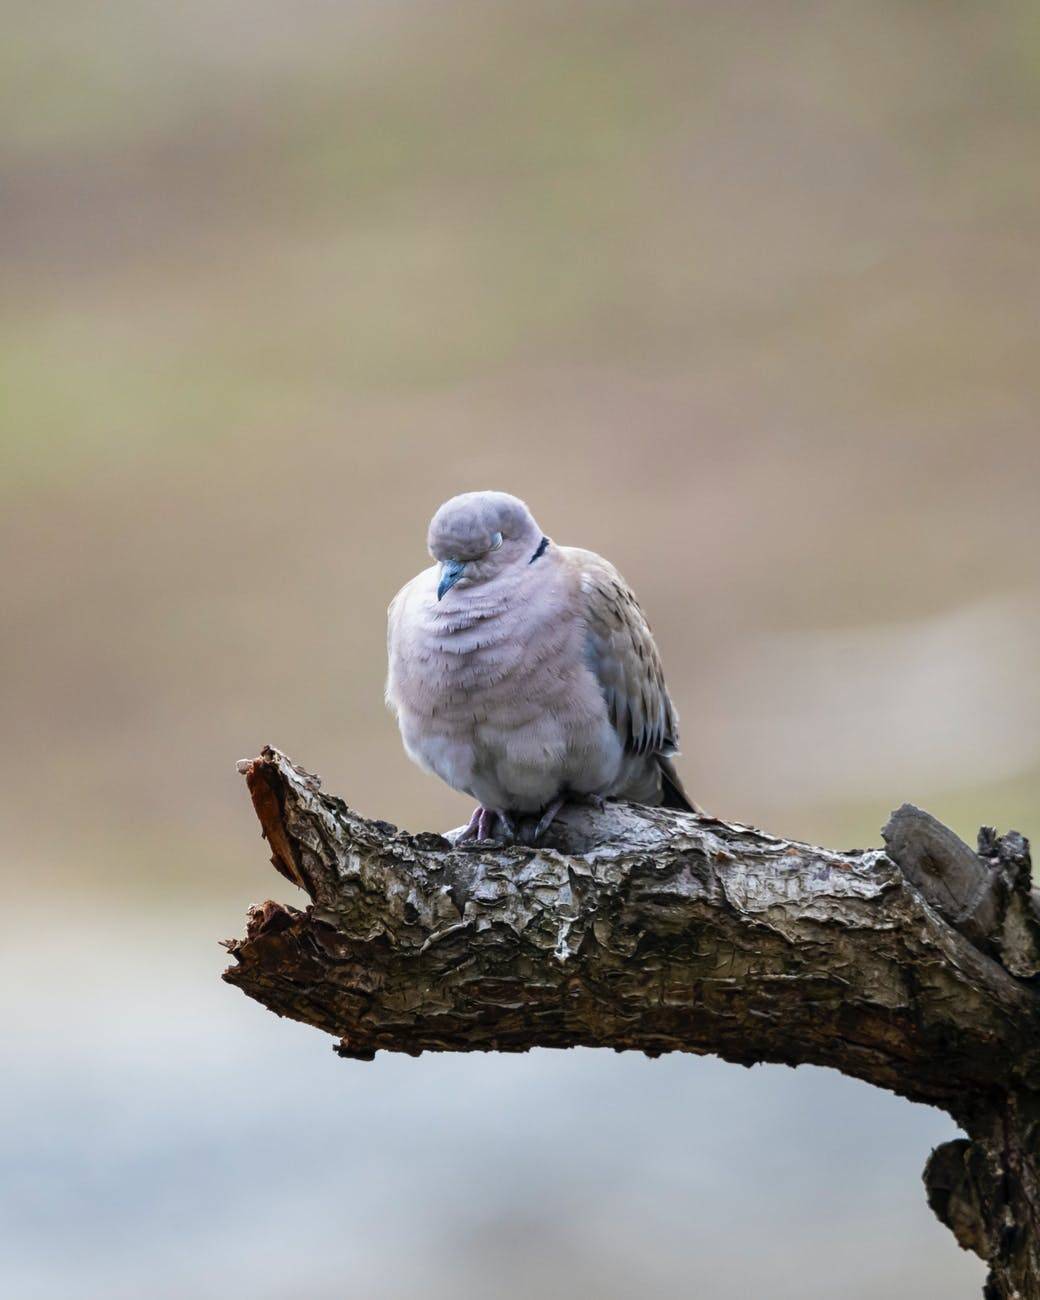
(496, 541)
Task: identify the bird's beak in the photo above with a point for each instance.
(451, 572)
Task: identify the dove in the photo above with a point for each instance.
(524, 674)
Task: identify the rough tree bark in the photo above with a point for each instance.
(913, 968)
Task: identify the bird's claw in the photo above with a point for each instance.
(534, 836)
(481, 826)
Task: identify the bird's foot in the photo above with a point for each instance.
(508, 827)
(478, 826)
(534, 834)
(589, 801)
(544, 822)
(481, 826)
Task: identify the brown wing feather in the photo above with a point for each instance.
(620, 650)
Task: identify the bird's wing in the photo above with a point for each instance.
(620, 651)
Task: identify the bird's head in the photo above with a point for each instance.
(479, 535)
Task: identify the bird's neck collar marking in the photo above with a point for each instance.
(543, 546)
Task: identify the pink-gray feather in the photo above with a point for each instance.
(536, 676)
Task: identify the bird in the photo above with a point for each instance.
(524, 674)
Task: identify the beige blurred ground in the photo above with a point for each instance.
(743, 295)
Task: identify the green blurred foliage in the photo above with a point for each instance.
(742, 295)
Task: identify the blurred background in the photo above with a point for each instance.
(742, 295)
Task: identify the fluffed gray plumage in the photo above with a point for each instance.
(524, 673)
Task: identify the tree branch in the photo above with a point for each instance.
(662, 931)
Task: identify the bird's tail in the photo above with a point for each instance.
(673, 795)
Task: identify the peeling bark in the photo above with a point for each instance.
(657, 930)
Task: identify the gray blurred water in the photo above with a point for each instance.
(161, 1136)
